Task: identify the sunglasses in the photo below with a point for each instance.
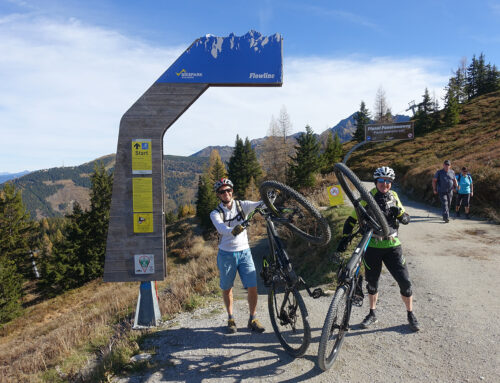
(225, 191)
(382, 181)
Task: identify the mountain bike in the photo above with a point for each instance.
(288, 313)
(349, 291)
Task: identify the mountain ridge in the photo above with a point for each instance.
(53, 192)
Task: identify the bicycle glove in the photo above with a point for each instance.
(237, 230)
(395, 211)
(342, 246)
(404, 219)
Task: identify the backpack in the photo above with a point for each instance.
(460, 176)
(239, 209)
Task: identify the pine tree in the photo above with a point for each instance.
(251, 166)
(306, 162)
(93, 247)
(362, 118)
(79, 256)
(472, 78)
(423, 120)
(451, 109)
(492, 79)
(332, 154)
(236, 167)
(62, 269)
(18, 233)
(206, 201)
(10, 290)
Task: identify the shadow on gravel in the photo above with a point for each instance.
(196, 355)
(400, 329)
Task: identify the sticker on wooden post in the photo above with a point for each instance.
(141, 156)
(143, 222)
(144, 263)
(335, 195)
(142, 195)
(142, 201)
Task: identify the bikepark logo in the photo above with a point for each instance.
(258, 76)
(188, 75)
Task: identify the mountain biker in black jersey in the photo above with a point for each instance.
(384, 249)
(234, 251)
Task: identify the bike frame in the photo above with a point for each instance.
(279, 251)
(350, 272)
(276, 245)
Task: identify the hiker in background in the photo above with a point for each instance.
(234, 251)
(465, 191)
(443, 184)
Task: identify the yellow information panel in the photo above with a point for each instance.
(142, 194)
(141, 156)
(335, 195)
(143, 222)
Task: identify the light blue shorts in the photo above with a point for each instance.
(230, 261)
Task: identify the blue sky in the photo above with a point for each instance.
(70, 69)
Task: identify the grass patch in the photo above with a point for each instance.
(474, 142)
(318, 265)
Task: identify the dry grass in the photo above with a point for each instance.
(52, 329)
(94, 320)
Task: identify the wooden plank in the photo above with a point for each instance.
(148, 118)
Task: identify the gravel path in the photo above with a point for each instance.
(454, 268)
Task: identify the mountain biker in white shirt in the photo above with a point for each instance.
(234, 251)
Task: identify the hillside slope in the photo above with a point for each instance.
(53, 192)
(474, 142)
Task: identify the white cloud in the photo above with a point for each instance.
(65, 85)
(316, 92)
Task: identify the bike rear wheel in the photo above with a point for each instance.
(289, 318)
(335, 326)
(355, 191)
(298, 214)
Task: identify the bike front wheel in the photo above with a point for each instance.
(334, 329)
(296, 212)
(356, 192)
(289, 318)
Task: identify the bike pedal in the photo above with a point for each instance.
(317, 293)
(357, 301)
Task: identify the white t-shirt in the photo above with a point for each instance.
(229, 242)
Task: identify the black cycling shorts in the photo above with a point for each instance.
(394, 261)
(463, 199)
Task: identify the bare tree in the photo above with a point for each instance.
(274, 155)
(382, 111)
(284, 123)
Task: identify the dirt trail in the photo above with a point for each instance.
(454, 268)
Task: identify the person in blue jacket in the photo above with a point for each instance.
(465, 192)
(444, 183)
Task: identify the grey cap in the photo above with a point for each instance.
(447, 162)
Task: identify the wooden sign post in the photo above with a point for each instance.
(135, 249)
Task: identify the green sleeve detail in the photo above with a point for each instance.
(398, 203)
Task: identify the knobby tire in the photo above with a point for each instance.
(342, 172)
(322, 233)
(334, 328)
(295, 343)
